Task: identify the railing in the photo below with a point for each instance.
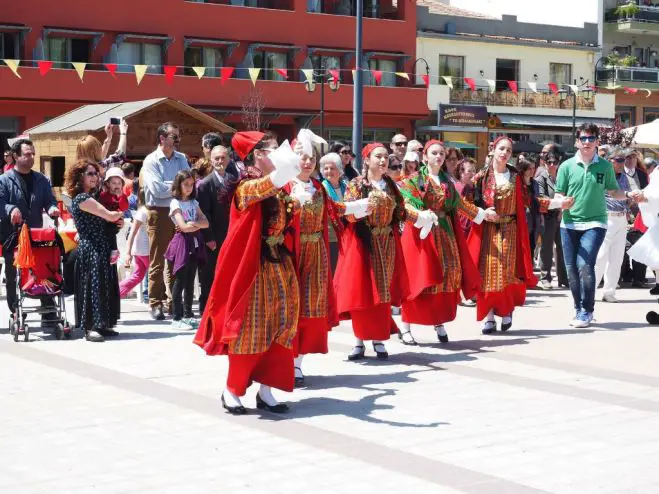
(646, 14)
(525, 97)
(262, 4)
(629, 74)
(372, 8)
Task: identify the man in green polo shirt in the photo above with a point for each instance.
(581, 183)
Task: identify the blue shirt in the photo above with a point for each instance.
(157, 175)
(615, 205)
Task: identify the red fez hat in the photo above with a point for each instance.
(368, 149)
(432, 142)
(243, 142)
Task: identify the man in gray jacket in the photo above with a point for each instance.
(24, 196)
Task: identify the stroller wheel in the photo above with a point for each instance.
(16, 333)
(59, 331)
(26, 333)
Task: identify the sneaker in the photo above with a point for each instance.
(610, 299)
(575, 319)
(582, 320)
(181, 326)
(544, 285)
(191, 321)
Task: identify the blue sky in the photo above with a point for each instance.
(557, 12)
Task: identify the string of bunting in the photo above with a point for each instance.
(225, 73)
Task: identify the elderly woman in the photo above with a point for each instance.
(335, 184)
(96, 283)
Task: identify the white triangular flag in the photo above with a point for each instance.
(533, 86)
(254, 74)
(308, 74)
(492, 84)
(200, 71)
(80, 68)
(13, 65)
(574, 88)
(449, 80)
(140, 70)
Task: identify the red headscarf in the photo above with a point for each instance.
(368, 149)
(244, 142)
(500, 138)
(432, 142)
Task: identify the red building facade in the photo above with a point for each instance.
(266, 34)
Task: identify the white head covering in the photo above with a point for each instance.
(307, 141)
(411, 156)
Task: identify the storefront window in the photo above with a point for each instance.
(626, 115)
(650, 114)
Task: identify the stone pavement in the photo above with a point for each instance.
(541, 409)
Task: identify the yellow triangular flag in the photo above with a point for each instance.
(308, 74)
(13, 65)
(140, 70)
(200, 71)
(80, 68)
(404, 75)
(354, 74)
(254, 74)
(448, 80)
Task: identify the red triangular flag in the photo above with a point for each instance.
(377, 75)
(513, 86)
(112, 68)
(631, 90)
(593, 88)
(471, 83)
(170, 70)
(426, 79)
(334, 74)
(553, 87)
(282, 72)
(225, 73)
(44, 67)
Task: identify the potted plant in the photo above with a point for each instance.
(626, 12)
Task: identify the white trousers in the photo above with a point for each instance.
(611, 254)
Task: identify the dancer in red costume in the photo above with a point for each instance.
(437, 267)
(252, 311)
(501, 249)
(370, 273)
(318, 314)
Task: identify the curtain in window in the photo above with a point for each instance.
(128, 54)
(560, 73)
(213, 61)
(57, 51)
(153, 57)
(451, 66)
(274, 60)
(388, 68)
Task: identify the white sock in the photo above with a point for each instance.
(231, 399)
(265, 392)
(441, 331)
(376, 343)
(490, 316)
(507, 319)
(358, 343)
(407, 327)
(297, 361)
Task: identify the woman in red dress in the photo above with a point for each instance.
(501, 249)
(370, 273)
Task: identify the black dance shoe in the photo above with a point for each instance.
(490, 327)
(239, 410)
(278, 408)
(382, 354)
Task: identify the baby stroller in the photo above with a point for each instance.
(38, 260)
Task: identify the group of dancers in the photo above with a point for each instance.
(275, 298)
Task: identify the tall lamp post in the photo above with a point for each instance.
(427, 73)
(358, 97)
(574, 106)
(321, 77)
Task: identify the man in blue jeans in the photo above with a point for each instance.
(581, 183)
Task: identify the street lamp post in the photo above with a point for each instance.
(574, 108)
(358, 97)
(322, 76)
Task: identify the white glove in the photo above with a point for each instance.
(287, 165)
(556, 203)
(301, 194)
(425, 222)
(359, 208)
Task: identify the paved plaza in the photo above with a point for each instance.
(541, 409)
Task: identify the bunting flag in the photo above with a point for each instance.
(448, 80)
(44, 67)
(200, 71)
(112, 68)
(649, 92)
(13, 65)
(80, 69)
(254, 74)
(553, 87)
(592, 88)
(492, 83)
(225, 73)
(140, 70)
(377, 75)
(308, 75)
(404, 75)
(630, 90)
(574, 88)
(282, 72)
(354, 74)
(533, 86)
(170, 71)
(471, 83)
(426, 79)
(513, 86)
(335, 74)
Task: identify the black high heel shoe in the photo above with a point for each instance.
(508, 325)
(490, 327)
(359, 355)
(299, 381)
(382, 355)
(239, 410)
(410, 342)
(278, 408)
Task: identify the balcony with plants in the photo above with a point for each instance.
(616, 69)
(633, 17)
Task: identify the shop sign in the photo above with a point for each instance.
(462, 116)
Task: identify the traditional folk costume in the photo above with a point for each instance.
(501, 249)
(439, 267)
(370, 273)
(253, 308)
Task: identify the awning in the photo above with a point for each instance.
(460, 145)
(549, 120)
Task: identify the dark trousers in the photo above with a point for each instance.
(636, 273)
(183, 290)
(551, 237)
(206, 277)
(12, 294)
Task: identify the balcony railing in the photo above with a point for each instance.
(372, 8)
(628, 74)
(645, 14)
(262, 4)
(526, 98)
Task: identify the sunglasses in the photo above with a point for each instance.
(619, 159)
(346, 151)
(585, 139)
(396, 167)
(91, 174)
(404, 143)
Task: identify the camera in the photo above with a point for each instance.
(114, 120)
